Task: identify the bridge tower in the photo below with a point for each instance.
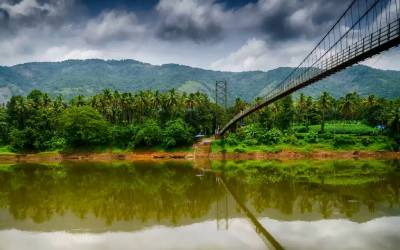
(221, 99)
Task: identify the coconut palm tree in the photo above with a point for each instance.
(324, 104)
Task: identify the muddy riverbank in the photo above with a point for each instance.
(133, 156)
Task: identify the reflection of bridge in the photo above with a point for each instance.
(366, 28)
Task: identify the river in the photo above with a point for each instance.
(327, 204)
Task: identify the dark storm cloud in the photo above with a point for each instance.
(19, 14)
(196, 20)
(278, 20)
(291, 19)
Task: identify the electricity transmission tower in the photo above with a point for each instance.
(221, 99)
(221, 93)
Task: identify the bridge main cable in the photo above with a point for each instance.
(366, 28)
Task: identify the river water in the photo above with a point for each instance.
(352, 204)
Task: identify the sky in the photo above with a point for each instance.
(227, 35)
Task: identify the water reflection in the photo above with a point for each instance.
(167, 193)
(357, 190)
(172, 205)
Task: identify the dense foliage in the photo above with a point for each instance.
(171, 119)
(349, 120)
(109, 119)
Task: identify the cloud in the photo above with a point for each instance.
(255, 54)
(196, 20)
(65, 53)
(32, 13)
(113, 26)
(283, 20)
(214, 34)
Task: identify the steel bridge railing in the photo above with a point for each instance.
(365, 29)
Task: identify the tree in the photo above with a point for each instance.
(4, 129)
(324, 104)
(84, 126)
(285, 117)
(149, 134)
(177, 133)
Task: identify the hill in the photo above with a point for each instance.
(73, 77)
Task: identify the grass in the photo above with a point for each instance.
(326, 145)
(341, 128)
(5, 150)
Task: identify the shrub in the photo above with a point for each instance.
(326, 136)
(250, 142)
(21, 140)
(291, 139)
(343, 140)
(301, 129)
(149, 134)
(122, 136)
(232, 140)
(366, 141)
(272, 136)
(177, 133)
(56, 143)
(251, 131)
(311, 137)
(239, 150)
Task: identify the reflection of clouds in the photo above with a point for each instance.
(196, 236)
(381, 233)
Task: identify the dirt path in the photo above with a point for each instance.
(202, 149)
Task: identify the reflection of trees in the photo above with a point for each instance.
(125, 192)
(352, 186)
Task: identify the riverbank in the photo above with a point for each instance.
(94, 156)
(135, 156)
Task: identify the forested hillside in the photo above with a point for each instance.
(88, 77)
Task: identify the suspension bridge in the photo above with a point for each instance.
(366, 28)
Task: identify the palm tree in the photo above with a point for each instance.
(324, 104)
(301, 109)
(347, 107)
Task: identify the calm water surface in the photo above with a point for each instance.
(171, 205)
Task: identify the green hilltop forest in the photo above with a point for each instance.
(89, 77)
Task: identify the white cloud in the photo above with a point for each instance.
(389, 60)
(113, 26)
(24, 8)
(65, 53)
(257, 55)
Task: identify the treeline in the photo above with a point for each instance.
(293, 121)
(306, 111)
(38, 122)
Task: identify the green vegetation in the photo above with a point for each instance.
(170, 120)
(338, 172)
(331, 188)
(147, 192)
(108, 120)
(88, 77)
(347, 123)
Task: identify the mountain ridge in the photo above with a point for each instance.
(88, 77)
